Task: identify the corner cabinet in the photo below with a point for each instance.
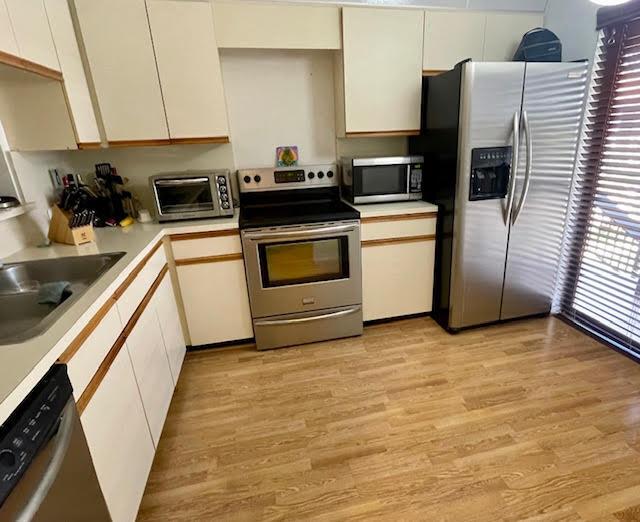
(380, 74)
(121, 60)
(213, 286)
(398, 254)
(189, 68)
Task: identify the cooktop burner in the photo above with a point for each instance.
(291, 196)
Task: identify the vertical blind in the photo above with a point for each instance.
(600, 268)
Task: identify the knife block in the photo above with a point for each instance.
(61, 232)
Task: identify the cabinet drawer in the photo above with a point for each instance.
(391, 227)
(85, 362)
(206, 244)
(131, 297)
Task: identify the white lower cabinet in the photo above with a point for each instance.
(167, 310)
(119, 440)
(216, 301)
(151, 366)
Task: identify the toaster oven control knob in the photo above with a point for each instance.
(247, 179)
(311, 175)
(224, 197)
(223, 189)
(222, 181)
(330, 174)
(320, 175)
(257, 178)
(225, 204)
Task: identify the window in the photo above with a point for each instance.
(601, 262)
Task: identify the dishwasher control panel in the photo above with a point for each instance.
(31, 426)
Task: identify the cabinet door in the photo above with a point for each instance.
(119, 439)
(7, 38)
(118, 44)
(151, 367)
(31, 29)
(397, 279)
(165, 302)
(216, 302)
(75, 80)
(504, 33)
(382, 52)
(450, 37)
(189, 68)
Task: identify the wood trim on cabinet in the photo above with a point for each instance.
(204, 235)
(169, 141)
(29, 66)
(432, 72)
(89, 145)
(84, 334)
(103, 369)
(396, 240)
(134, 273)
(209, 259)
(382, 134)
(399, 217)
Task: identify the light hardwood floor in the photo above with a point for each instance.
(525, 421)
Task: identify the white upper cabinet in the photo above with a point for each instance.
(121, 60)
(382, 61)
(32, 33)
(452, 36)
(504, 31)
(189, 68)
(8, 42)
(270, 26)
(75, 80)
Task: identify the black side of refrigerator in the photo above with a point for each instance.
(438, 143)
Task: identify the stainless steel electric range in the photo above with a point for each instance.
(302, 256)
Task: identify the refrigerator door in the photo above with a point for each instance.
(491, 96)
(553, 104)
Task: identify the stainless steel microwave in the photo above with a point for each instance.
(192, 195)
(380, 180)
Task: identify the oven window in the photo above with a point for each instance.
(300, 262)
(184, 195)
(380, 180)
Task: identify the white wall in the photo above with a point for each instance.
(574, 21)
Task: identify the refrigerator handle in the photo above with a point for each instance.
(527, 174)
(506, 212)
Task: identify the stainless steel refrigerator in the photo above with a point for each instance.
(499, 141)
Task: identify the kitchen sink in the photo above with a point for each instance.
(22, 316)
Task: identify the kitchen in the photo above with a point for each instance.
(324, 285)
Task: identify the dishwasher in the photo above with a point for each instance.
(46, 471)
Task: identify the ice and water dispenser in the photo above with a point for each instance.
(490, 170)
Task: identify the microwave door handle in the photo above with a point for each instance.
(408, 179)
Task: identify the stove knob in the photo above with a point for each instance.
(257, 178)
(330, 174)
(7, 458)
(320, 175)
(311, 175)
(247, 179)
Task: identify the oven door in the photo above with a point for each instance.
(303, 268)
(184, 197)
(375, 181)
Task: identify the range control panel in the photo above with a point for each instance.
(286, 178)
(31, 426)
(490, 172)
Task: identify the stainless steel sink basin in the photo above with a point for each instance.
(21, 315)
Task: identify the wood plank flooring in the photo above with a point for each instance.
(530, 420)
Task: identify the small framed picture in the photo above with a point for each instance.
(287, 156)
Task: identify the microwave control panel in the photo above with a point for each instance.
(490, 173)
(415, 178)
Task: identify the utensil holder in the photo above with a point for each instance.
(61, 232)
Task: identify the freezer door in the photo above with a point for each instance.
(553, 104)
(491, 97)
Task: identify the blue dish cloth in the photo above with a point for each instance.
(54, 293)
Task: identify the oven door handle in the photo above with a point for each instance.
(184, 181)
(332, 315)
(257, 236)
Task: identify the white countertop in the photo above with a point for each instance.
(394, 209)
(23, 365)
